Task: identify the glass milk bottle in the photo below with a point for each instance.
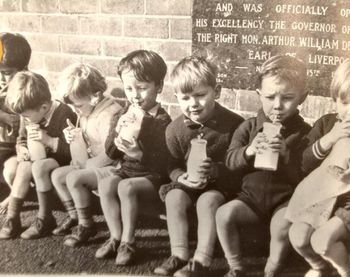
(268, 159)
(78, 149)
(36, 148)
(198, 153)
(130, 124)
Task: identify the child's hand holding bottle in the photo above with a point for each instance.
(258, 144)
(129, 147)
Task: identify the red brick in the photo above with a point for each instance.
(44, 42)
(40, 6)
(181, 28)
(110, 26)
(80, 45)
(20, 23)
(57, 62)
(170, 50)
(60, 24)
(122, 6)
(86, 6)
(146, 27)
(10, 5)
(120, 47)
(247, 100)
(108, 67)
(169, 7)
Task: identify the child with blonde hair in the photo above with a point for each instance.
(42, 123)
(83, 87)
(319, 208)
(194, 83)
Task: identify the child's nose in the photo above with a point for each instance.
(193, 102)
(277, 104)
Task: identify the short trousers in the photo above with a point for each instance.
(191, 192)
(156, 179)
(265, 216)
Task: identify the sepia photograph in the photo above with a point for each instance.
(185, 138)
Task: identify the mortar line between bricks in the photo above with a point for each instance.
(96, 14)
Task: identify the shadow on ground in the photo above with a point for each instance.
(49, 256)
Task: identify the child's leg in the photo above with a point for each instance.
(279, 243)
(21, 185)
(229, 218)
(133, 192)
(178, 204)
(108, 191)
(207, 205)
(58, 178)
(300, 235)
(109, 199)
(9, 172)
(328, 241)
(80, 184)
(45, 222)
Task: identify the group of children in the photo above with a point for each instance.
(130, 170)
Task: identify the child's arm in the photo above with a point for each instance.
(176, 163)
(7, 118)
(240, 152)
(314, 154)
(111, 149)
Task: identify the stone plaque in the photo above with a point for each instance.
(241, 34)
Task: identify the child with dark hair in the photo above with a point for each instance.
(265, 193)
(42, 121)
(137, 139)
(83, 86)
(14, 56)
(319, 208)
(194, 83)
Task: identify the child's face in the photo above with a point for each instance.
(139, 93)
(198, 105)
(36, 115)
(343, 108)
(6, 74)
(81, 106)
(279, 98)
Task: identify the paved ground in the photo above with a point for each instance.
(50, 256)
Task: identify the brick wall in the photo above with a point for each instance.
(102, 31)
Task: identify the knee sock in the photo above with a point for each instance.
(14, 208)
(85, 217)
(45, 200)
(181, 251)
(205, 258)
(235, 262)
(70, 208)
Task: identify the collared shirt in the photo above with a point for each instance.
(153, 112)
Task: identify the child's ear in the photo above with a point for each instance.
(44, 107)
(217, 90)
(95, 99)
(159, 88)
(303, 97)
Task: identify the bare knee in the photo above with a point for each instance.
(41, 168)
(225, 216)
(126, 189)
(73, 180)
(108, 187)
(58, 177)
(176, 200)
(209, 202)
(320, 242)
(299, 236)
